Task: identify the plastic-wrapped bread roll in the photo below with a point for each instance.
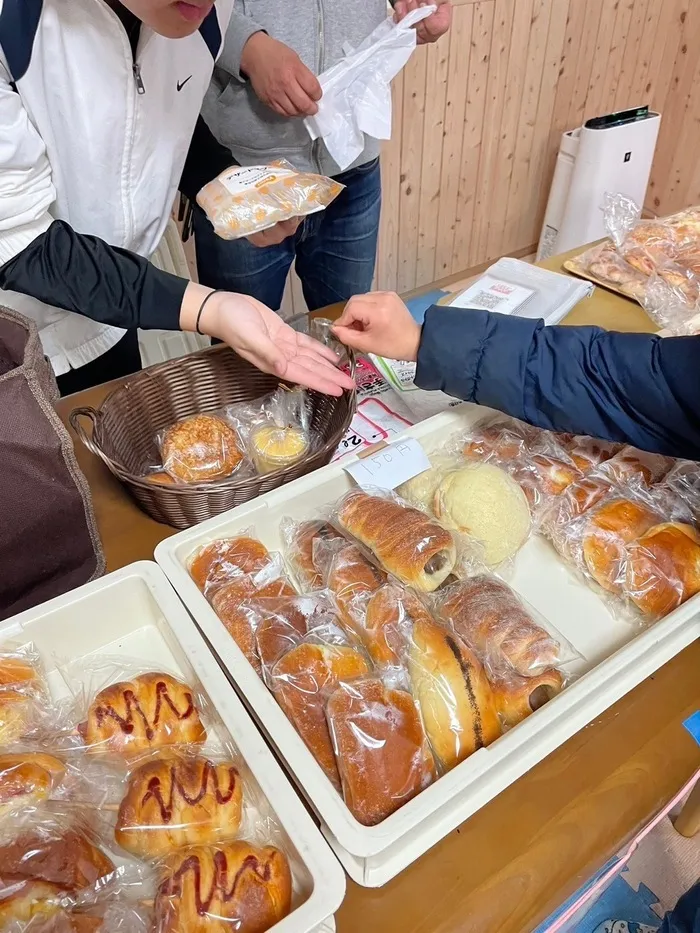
(300, 538)
(234, 888)
(150, 711)
(632, 464)
(389, 617)
(172, 802)
(502, 441)
(21, 688)
(488, 615)
(663, 568)
(610, 528)
(224, 560)
(483, 501)
(302, 680)
(518, 697)
(409, 545)
(382, 752)
(234, 604)
(27, 778)
(420, 491)
(200, 449)
(350, 575)
(455, 698)
(588, 453)
(280, 624)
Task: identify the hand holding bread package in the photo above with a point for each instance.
(243, 201)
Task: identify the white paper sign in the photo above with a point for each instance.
(390, 466)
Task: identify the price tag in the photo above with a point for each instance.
(392, 465)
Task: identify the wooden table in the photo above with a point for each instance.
(517, 859)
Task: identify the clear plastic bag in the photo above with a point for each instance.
(496, 623)
(384, 619)
(301, 681)
(280, 624)
(636, 466)
(201, 449)
(235, 603)
(500, 441)
(178, 799)
(672, 300)
(683, 481)
(663, 568)
(518, 697)
(453, 693)
(588, 453)
(408, 544)
(28, 778)
(382, 752)
(275, 429)
(236, 887)
(138, 711)
(227, 559)
(48, 861)
(348, 574)
(299, 540)
(118, 917)
(604, 264)
(244, 200)
(25, 705)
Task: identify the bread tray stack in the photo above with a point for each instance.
(615, 657)
(134, 613)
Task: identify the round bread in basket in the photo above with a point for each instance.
(125, 426)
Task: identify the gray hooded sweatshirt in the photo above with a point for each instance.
(317, 30)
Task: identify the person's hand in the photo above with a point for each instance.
(277, 234)
(432, 27)
(279, 77)
(379, 323)
(260, 336)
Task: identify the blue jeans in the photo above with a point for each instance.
(335, 249)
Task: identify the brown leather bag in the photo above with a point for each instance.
(48, 535)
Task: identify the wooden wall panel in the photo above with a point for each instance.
(478, 121)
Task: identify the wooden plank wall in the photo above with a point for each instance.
(478, 118)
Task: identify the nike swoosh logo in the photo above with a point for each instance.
(181, 84)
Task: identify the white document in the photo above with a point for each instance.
(391, 466)
(357, 91)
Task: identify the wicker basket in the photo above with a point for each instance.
(125, 426)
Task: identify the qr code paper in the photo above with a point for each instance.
(488, 300)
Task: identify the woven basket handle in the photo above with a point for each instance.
(87, 439)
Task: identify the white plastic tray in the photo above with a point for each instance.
(135, 613)
(615, 658)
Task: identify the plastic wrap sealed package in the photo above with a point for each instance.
(497, 624)
(275, 429)
(672, 300)
(454, 695)
(235, 602)
(385, 619)
(227, 559)
(234, 887)
(357, 90)
(200, 449)
(116, 917)
(605, 265)
(518, 697)
(382, 752)
(408, 544)
(684, 481)
(46, 862)
(630, 465)
(177, 799)
(348, 574)
(25, 707)
(128, 710)
(652, 245)
(299, 540)
(280, 624)
(302, 680)
(244, 200)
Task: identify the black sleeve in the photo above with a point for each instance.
(84, 274)
(206, 159)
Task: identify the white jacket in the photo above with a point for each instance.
(79, 143)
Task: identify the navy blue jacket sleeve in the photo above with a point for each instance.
(637, 388)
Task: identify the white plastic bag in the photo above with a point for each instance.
(357, 91)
